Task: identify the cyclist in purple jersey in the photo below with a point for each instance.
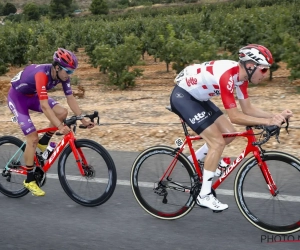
(29, 92)
(25, 81)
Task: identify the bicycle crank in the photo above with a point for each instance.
(40, 176)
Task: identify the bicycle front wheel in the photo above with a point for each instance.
(11, 156)
(277, 214)
(97, 184)
(161, 181)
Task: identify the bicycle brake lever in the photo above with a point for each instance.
(277, 138)
(287, 126)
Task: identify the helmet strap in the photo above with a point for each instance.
(249, 71)
(54, 65)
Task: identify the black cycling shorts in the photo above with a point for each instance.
(199, 115)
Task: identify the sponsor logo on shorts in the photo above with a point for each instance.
(29, 129)
(29, 121)
(179, 95)
(199, 117)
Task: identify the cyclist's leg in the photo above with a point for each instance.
(212, 134)
(223, 124)
(200, 116)
(60, 112)
(18, 104)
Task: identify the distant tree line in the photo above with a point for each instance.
(57, 9)
(177, 35)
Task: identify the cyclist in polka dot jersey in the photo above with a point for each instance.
(190, 99)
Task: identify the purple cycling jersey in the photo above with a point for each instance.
(25, 83)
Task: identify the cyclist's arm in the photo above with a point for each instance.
(41, 81)
(73, 105)
(227, 96)
(240, 118)
(251, 110)
(76, 110)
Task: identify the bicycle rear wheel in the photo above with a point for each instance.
(273, 214)
(170, 198)
(99, 181)
(11, 154)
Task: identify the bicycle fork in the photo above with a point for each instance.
(267, 175)
(84, 168)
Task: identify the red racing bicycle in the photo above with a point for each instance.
(86, 170)
(266, 187)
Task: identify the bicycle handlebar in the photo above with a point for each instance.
(270, 131)
(73, 119)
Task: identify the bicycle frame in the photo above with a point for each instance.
(67, 139)
(249, 135)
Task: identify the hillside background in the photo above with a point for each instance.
(155, 40)
(20, 3)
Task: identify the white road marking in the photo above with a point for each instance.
(219, 191)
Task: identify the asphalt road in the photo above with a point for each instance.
(56, 222)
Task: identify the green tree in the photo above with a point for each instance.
(14, 18)
(9, 8)
(292, 56)
(31, 12)
(1, 9)
(43, 9)
(99, 7)
(60, 9)
(4, 57)
(118, 60)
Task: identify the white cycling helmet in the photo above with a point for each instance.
(256, 53)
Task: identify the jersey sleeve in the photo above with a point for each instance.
(41, 81)
(67, 88)
(226, 86)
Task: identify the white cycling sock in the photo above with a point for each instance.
(200, 153)
(207, 182)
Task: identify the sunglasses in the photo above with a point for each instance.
(68, 71)
(263, 69)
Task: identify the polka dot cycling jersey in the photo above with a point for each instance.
(214, 78)
(37, 79)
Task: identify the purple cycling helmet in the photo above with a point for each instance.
(65, 58)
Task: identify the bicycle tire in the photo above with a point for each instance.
(139, 183)
(7, 150)
(266, 217)
(101, 157)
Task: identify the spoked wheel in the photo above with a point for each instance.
(11, 155)
(97, 184)
(277, 214)
(164, 194)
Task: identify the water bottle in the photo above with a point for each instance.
(223, 164)
(49, 150)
